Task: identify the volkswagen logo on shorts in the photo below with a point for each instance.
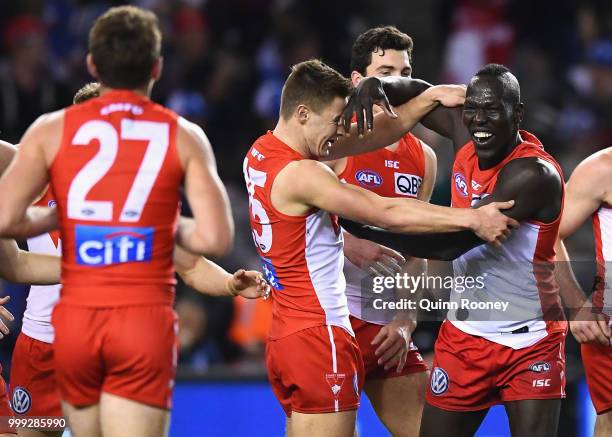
(21, 401)
(439, 381)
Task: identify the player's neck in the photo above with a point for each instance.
(144, 91)
(485, 164)
(292, 137)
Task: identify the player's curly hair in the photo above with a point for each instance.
(375, 39)
(314, 84)
(125, 43)
(89, 91)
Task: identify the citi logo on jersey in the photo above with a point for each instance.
(368, 178)
(107, 245)
(460, 184)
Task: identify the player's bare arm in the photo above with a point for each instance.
(209, 278)
(7, 152)
(526, 180)
(24, 267)
(389, 129)
(211, 232)
(305, 184)
(4, 315)
(27, 176)
(586, 190)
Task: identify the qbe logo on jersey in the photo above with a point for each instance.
(107, 245)
(407, 184)
(439, 381)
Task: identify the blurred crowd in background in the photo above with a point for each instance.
(224, 65)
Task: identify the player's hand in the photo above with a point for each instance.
(493, 226)
(393, 341)
(376, 259)
(5, 314)
(249, 284)
(590, 327)
(447, 95)
(361, 102)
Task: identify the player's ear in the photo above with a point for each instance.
(302, 112)
(356, 78)
(156, 71)
(91, 67)
(519, 113)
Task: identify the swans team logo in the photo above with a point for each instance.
(21, 402)
(439, 381)
(461, 184)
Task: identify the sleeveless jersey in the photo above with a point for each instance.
(42, 298)
(602, 231)
(116, 179)
(302, 255)
(397, 173)
(520, 273)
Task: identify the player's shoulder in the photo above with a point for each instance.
(48, 124)
(190, 133)
(532, 170)
(594, 170)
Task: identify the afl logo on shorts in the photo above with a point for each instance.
(21, 402)
(439, 381)
(368, 178)
(460, 184)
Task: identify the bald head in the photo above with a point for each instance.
(510, 88)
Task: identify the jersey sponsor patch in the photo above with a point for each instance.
(460, 184)
(407, 184)
(439, 381)
(368, 178)
(21, 400)
(107, 245)
(270, 273)
(540, 367)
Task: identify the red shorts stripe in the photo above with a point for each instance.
(364, 334)
(316, 370)
(597, 362)
(471, 373)
(130, 352)
(33, 377)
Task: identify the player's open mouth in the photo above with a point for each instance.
(482, 137)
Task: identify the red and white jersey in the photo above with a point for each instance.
(519, 273)
(116, 178)
(602, 230)
(388, 173)
(42, 298)
(302, 255)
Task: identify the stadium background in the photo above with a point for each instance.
(224, 65)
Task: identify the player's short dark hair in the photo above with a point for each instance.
(314, 84)
(375, 39)
(125, 43)
(512, 89)
(87, 92)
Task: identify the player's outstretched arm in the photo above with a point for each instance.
(386, 128)
(211, 232)
(312, 183)
(445, 119)
(24, 267)
(7, 153)
(5, 315)
(25, 179)
(208, 278)
(526, 180)
(584, 193)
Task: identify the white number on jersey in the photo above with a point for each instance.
(256, 178)
(158, 137)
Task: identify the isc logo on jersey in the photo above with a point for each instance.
(368, 178)
(106, 245)
(407, 184)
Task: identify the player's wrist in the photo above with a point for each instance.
(230, 287)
